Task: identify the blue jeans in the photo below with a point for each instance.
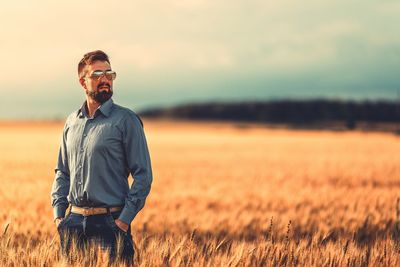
(99, 229)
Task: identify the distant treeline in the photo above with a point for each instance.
(294, 112)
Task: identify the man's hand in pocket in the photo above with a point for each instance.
(58, 220)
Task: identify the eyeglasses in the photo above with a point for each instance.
(97, 74)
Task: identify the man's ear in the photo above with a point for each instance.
(82, 81)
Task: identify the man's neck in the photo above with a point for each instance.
(92, 106)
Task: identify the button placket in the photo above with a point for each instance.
(82, 146)
(81, 152)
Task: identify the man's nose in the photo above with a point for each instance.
(103, 78)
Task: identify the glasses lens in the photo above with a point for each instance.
(111, 75)
(96, 74)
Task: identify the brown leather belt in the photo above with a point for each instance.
(87, 211)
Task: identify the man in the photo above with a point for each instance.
(102, 143)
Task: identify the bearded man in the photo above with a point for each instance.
(102, 144)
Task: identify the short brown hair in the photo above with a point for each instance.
(91, 57)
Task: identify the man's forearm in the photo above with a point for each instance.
(59, 211)
(136, 198)
(59, 194)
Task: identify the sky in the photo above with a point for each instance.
(179, 51)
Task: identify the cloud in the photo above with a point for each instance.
(148, 57)
(43, 41)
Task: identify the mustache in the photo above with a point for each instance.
(104, 84)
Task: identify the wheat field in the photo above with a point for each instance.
(223, 194)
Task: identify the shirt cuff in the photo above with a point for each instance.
(59, 212)
(127, 215)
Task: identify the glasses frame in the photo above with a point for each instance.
(98, 74)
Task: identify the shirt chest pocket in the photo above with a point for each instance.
(74, 136)
(104, 138)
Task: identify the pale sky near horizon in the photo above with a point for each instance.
(177, 51)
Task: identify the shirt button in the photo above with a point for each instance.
(81, 149)
(84, 135)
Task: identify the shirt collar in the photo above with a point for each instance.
(105, 109)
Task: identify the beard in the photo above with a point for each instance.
(100, 96)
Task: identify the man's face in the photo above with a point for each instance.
(99, 89)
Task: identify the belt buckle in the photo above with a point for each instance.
(87, 211)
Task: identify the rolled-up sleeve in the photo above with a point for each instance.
(60, 188)
(138, 161)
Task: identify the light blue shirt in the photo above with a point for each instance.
(95, 159)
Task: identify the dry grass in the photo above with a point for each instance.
(223, 195)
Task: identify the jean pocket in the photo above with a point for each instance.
(117, 230)
(111, 222)
(63, 221)
(60, 224)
